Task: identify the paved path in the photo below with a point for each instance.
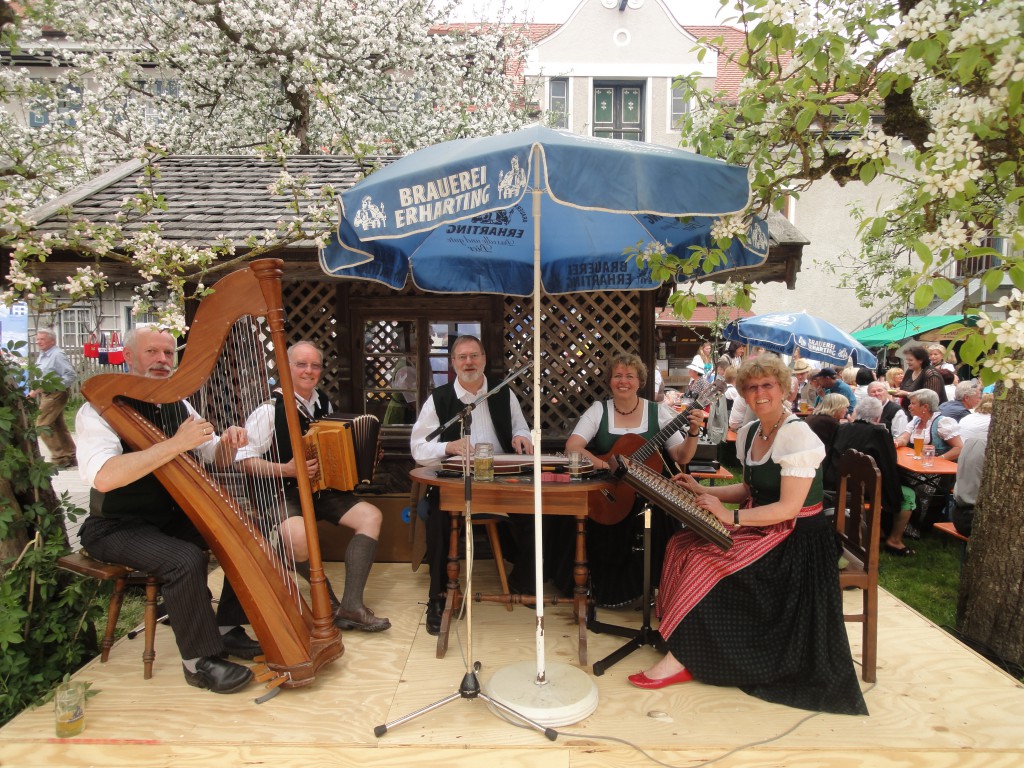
(70, 481)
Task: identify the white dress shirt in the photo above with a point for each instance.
(481, 427)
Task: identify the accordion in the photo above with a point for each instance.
(675, 500)
(347, 450)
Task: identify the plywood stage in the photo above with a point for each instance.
(936, 703)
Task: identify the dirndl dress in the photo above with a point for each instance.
(766, 616)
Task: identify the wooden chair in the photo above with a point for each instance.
(419, 542)
(858, 524)
(122, 576)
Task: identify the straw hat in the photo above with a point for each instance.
(801, 366)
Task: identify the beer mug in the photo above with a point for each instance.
(575, 465)
(483, 462)
(928, 456)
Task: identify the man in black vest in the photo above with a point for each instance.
(133, 520)
(268, 428)
(498, 420)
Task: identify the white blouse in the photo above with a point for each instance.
(796, 448)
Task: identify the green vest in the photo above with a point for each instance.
(765, 480)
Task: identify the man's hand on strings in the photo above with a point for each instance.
(522, 445)
(459, 447)
(193, 432)
(232, 439)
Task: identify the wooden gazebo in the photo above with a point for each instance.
(367, 330)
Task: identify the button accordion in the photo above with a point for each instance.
(346, 450)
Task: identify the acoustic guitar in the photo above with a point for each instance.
(610, 507)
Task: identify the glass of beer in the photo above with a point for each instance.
(918, 443)
(575, 465)
(69, 709)
(483, 462)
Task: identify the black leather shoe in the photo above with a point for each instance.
(435, 607)
(361, 618)
(238, 643)
(218, 675)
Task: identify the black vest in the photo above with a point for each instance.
(145, 499)
(498, 405)
(282, 441)
(889, 411)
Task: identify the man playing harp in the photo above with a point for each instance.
(267, 429)
(134, 521)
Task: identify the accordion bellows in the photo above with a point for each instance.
(346, 449)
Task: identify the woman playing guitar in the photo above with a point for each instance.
(621, 425)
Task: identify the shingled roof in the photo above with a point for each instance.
(207, 196)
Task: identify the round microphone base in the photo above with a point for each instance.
(568, 696)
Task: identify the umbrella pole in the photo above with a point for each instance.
(563, 694)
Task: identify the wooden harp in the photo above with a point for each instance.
(297, 639)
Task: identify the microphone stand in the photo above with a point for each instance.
(469, 688)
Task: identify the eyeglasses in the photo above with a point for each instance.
(468, 358)
(308, 366)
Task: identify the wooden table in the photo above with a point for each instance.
(935, 478)
(513, 494)
(720, 474)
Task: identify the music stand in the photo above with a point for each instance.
(469, 688)
(645, 635)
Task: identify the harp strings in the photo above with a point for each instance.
(242, 381)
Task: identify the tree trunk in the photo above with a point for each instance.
(17, 537)
(991, 605)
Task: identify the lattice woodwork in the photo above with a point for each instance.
(580, 332)
(310, 314)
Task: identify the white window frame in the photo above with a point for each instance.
(76, 323)
(567, 118)
(673, 116)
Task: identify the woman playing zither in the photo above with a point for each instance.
(766, 616)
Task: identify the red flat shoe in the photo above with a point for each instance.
(640, 680)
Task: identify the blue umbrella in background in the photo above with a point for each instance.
(509, 214)
(817, 339)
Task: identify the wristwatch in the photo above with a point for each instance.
(736, 517)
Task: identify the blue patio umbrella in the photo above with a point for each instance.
(507, 214)
(785, 332)
(460, 216)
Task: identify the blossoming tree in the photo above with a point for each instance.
(926, 94)
(142, 78)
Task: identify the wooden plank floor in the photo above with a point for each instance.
(937, 703)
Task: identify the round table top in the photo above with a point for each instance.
(511, 483)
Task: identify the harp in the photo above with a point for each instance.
(245, 307)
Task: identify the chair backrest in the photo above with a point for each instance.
(858, 509)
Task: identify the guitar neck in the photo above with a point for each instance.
(707, 396)
(657, 442)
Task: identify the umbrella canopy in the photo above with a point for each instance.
(817, 339)
(456, 215)
(494, 214)
(904, 328)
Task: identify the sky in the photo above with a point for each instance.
(692, 12)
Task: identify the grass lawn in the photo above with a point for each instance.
(929, 582)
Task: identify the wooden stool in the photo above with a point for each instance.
(491, 525)
(122, 576)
